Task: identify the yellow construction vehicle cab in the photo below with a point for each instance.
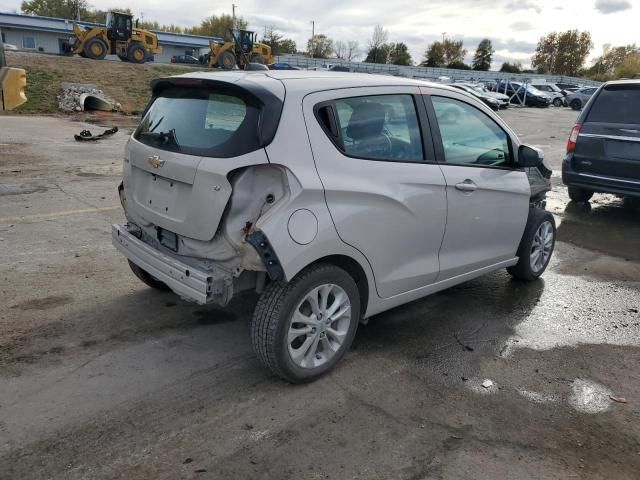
(12, 84)
(118, 37)
(243, 49)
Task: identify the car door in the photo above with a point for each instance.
(384, 190)
(487, 196)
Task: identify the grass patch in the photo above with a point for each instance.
(127, 83)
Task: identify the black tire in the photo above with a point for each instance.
(523, 270)
(227, 60)
(576, 104)
(137, 53)
(148, 278)
(557, 102)
(272, 318)
(95, 49)
(580, 195)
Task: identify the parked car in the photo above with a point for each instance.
(348, 196)
(603, 151)
(9, 46)
(516, 91)
(576, 100)
(555, 92)
(185, 59)
(489, 100)
(282, 66)
(567, 86)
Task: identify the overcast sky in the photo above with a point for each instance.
(514, 26)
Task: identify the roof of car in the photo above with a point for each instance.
(624, 82)
(309, 81)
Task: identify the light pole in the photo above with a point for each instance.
(443, 34)
(313, 38)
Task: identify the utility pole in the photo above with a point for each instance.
(443, 35)
(313, 38)
(233, 14)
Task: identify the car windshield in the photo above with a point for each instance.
(200, 121)
(616, 104)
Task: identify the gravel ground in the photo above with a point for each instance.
(103, 378)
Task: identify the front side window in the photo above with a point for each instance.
(469, 137)
(200, 121)
(380, 127)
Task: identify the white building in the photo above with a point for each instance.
(51, 35)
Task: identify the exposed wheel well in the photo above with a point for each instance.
(358, 274)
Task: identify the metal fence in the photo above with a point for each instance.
(428, 73)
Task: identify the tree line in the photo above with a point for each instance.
(559, 53)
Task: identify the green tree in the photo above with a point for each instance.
(630, 67)
(562, 53)
(458, 65)
(378, 51)
(218, 26)
(434, 56)
(277, 42)
(515, 67)
(399, 54)
(440, 54)
(320, 46)
(612, 57)
(56, 8)
(287, 45)
(482, 57)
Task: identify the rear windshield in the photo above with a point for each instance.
(616, 104)
(199, 121)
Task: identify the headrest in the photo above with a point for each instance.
(367, 120)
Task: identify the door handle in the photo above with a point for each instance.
(467, 186)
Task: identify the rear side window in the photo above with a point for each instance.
(380, 127)
(616, 104)
(198, 121)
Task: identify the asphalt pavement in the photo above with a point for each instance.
(101, 377)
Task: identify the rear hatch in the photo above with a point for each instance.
(609, 140)
(194, 132)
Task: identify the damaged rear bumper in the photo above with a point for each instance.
(193, 284)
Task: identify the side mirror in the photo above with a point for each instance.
(529, 156)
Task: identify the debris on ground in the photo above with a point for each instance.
(87, 136)
(618, 399)
(487, 383)
(78, 97)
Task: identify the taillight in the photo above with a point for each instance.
(573, 138)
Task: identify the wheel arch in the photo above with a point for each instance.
(355, 270)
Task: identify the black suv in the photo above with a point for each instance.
(603, 151)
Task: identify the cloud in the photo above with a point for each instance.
(612, 6)
(521, 26)
(524, 5)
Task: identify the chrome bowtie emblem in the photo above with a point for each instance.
(155, 161)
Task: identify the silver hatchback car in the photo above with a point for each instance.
(335, 196)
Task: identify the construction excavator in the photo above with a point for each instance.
(12, 84)
(242, 50)
(118, 37)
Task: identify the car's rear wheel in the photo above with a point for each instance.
(301, 329)
(147, 278)
(536, 246)
(580, 195)
(576, 104)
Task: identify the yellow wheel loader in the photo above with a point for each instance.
(118, 37)
(12, 84)
(242, 50)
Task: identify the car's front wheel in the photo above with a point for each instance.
(536, 246)
(557, 102)
(301, 329)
